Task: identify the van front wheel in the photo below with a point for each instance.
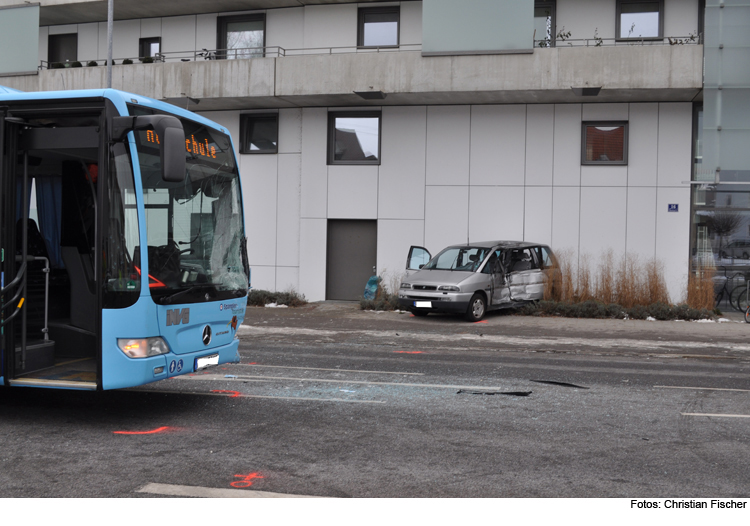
(477, 308)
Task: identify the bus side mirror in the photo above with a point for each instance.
(171, 138)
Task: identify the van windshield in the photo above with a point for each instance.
(467, 259)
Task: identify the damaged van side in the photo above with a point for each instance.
(475, 278)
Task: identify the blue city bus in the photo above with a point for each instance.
(124, 258)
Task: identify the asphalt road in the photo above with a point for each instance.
(332, 401)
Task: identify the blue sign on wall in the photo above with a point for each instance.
(673, 208)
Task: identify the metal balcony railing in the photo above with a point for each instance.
(279, 52)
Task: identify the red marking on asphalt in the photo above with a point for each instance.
(483, 321)
(234, 394)
(408, 352)
(412, 316)
(153, 431)
(247, 480)
(252, 363)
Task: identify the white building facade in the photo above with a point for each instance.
(365, 128)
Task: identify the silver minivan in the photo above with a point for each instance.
(475, 278)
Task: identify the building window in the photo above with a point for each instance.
(62, 48)
(378, 27)
(637, 19)
(241, 36)
(149, 47)
(259, 132)
(544, 24)
(354, 137)
(604, 143)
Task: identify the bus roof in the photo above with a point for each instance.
(119, 98)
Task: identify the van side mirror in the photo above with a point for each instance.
(169, 135)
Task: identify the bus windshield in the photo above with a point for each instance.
(194, 227)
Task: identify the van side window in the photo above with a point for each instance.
(522, 259)
(545, 257)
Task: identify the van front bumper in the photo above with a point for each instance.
(452, 302)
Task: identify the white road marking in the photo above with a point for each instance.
(215, 493)
(499, 339)
(361, 382)
(321, 369)
(716, 415)
(242, 395)
(701, 388)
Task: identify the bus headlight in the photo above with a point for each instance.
(143, 347)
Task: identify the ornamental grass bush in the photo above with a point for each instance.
(261, 298)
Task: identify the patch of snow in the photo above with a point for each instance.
(723, 320)
(704, 321)
(650, 318)
(274, 306)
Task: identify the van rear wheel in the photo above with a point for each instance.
(477, 308)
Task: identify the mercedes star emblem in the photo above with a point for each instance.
(206, 335)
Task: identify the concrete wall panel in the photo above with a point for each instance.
(394, 239)
(641, 222)
(675, 143)
(411, 23)
(540, 126)
(314, 170)
(603, 220)
(566, 206)
(498, 144)
(538, 214)
(205, 31)
(287, 278)
(262, 277)
(44, 43)
(312, 266)
(402, 170)
(605, 112)
(581, 17)
(598, 175)
(495, 212)
(259, 192)
(63, 29)
(288, 209)
(88, 42)
(150, 27)
(290, 130)
(446, 216)
(680, 18)
(285, 28)
(673, 238)
(125, 35)
(178, 34)
(353, 192)
(328, 26)
(448, 136)
(643, 144)
(567, 145)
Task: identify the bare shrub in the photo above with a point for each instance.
(700, 294)
(583, 282)
(605, 277)
(656, 285)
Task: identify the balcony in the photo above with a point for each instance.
(329, 77)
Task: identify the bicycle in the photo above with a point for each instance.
(747, 315)
(733, 296)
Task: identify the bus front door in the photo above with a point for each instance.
(49, 239)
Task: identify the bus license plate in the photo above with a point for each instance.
(423, 304)
(206, 361)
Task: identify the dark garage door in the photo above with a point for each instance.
(350, 257)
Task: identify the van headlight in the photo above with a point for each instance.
(405, 285)
(449, 288)
(143, 347)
